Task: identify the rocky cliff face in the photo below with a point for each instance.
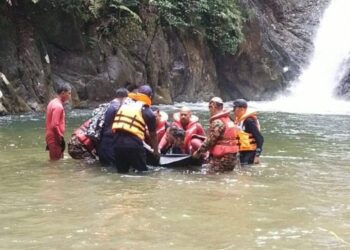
(39, 49)
(278, 42)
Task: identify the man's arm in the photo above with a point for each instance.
(110, 114)
(200, 130)
(251, 127)
(150, 120)
(57, 122)
(216, 129)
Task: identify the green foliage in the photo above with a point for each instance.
(113, 15)
(219, 20)
(224, 22)
(95, 10)
(179, 14)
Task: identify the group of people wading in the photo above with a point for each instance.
(122, 132)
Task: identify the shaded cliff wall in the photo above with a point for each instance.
(41, 47)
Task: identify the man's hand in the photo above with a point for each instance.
(156, 154)
(197, 154)
(63, 144)
(256, 160)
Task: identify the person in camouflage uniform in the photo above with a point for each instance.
(80, 146)
(77, 150)
(221, 139)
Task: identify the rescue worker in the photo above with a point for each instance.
(195, 133)
(55, 123)
(174, 138)
(80, 146)
(221, 140)
(161, 121)
(250, 138)
(129, 127)
(106, 146)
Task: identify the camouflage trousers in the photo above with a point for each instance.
(77, 150)
(222, 164)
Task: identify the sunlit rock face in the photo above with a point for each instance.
(40, 48)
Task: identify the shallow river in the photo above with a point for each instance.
(298, 198)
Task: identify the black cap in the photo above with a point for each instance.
(241, 103)
(145, 89)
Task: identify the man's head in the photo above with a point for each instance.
(240, 107)
(146, 90)
(185, 115)
(161, 116)
(121, 93)
(175, 136)
(156, 112)
(64, 91)
(216, 104)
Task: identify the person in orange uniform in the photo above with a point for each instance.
(55, 122)
(221, 140)
(250, 138)
(162, 122)
(194, 132)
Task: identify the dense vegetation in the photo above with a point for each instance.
(220, 21)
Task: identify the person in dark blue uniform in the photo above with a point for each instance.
(129, 126)
(106, 150)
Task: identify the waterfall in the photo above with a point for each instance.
(313, 92)
(332, 49)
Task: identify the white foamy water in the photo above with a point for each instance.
(313, 92)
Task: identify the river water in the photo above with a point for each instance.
(299, 197)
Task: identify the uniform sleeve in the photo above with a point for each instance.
(110, 114)
(251, 127)
(150, 119)
(200, 129)
(216, 130)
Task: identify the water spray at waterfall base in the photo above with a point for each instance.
(314, 91)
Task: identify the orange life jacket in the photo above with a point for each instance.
(246, 140)
(228, 143)
(191, 129)
(80, 133)
(141, 97)
(162, 125)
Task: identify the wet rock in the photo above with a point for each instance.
(45, 47)
(277, 46)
